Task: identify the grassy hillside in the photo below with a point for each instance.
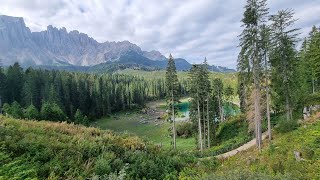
(32, 149)
(277, 161)
(48, 150)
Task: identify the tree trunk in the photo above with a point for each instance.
(287, 107)
(313, 86)
(199, 126)
(174, 123)
(257, 118)
(220, 108)
(268, 115)
(268, 96)
(204, 125)
(208, 122)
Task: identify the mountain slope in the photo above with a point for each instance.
(52, 150)
(60, 48)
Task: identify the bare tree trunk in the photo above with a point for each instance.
(268, 115)
(287, 107)
(268, 96)
(313, 86)
(208, 122)
(257, 117)
(199, 125)
(204, 125)
(220, 107)
(174, 123)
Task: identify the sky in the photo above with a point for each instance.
(190, 29)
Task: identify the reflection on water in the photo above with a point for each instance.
(183, 111)
(229, 110)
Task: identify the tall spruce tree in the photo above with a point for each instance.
(172, 93)
(201, 103)
(218, 94)
(312, 57)
(254, 16)
(283, 58)
(195, 94)
(2, 85)
(265, 51)
(207, 93)
(15, 83)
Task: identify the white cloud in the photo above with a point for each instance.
(189, 29)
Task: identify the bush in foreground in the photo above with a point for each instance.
(65, 151)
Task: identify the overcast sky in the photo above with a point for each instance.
(190, 29)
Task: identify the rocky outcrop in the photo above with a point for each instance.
(58, 47)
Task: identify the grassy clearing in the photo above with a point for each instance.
(155, 131)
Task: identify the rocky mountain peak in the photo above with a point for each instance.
(58, 47)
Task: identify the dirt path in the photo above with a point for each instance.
(241, 148)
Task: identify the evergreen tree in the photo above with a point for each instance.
(172, 93)
(194, 91)
(254, 16)
(283, 59)
(218, 94)
(201, 103)
(51, 111)
(78, 117)
(3, 83)
(31, 112)
(15, 110)
(264, 44)
(14, 83)
(312, 57)
(207, 104)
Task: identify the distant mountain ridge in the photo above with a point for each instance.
(57, 47)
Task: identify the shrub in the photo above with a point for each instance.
(184, 130)
(51, 111)
(14, 110)
(103, 163)
(307, 153)
(285, 126)
(80, 118)
(245, 174)
(235, 126)
(31, 112)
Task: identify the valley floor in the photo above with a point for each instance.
(148, 123)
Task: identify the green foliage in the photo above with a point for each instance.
(233, 127)
(285, 125)
(184, 130)
(65, 151)
(31, 112)
(230, 135)
(103, 163)
(307, 153)
(80, 118)
(278, 160)
(94, 95)
(283, 58)
(14, 84)
(14, 110)
(240, 174)
(16, 168)
(51, 111)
